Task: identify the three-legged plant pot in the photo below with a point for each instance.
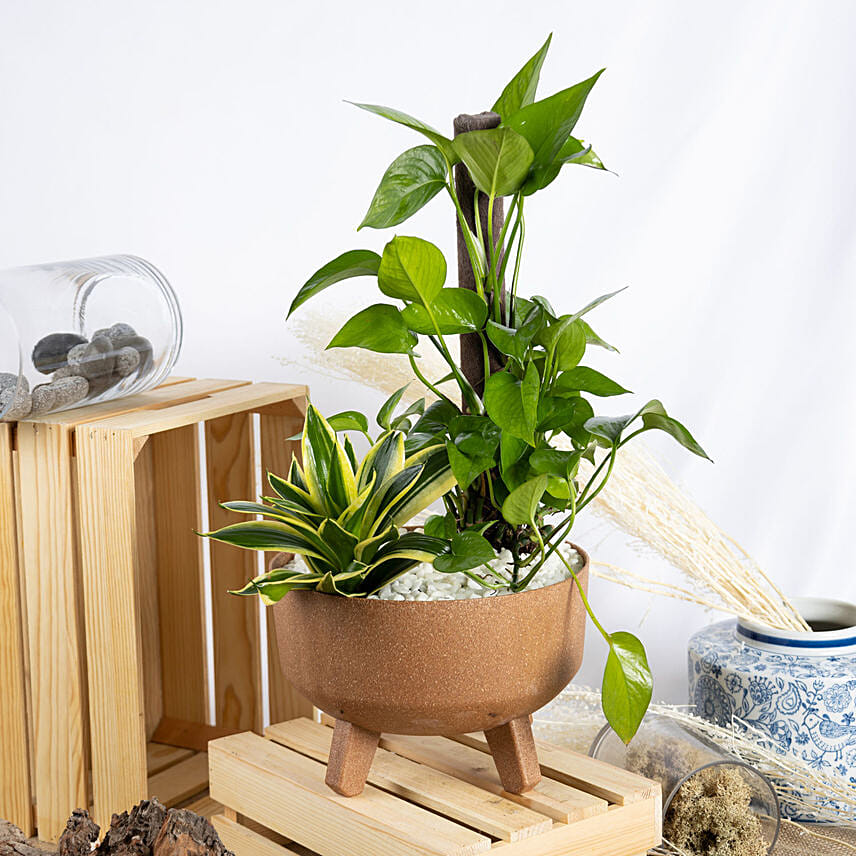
(432, 668)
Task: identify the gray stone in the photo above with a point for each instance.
(69, 390)
(66, 371)
(51, 352)
(121, 335)
(44, 399)
(8, 379)
(127, 360)
(144, 347)
(20, 404)
(93, 360)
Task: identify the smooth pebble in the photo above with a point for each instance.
(127, 360)
(51, 352)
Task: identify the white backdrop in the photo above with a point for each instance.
(211, 138)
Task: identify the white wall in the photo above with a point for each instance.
(211, 138)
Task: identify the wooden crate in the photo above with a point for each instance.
(426, 796)
(102, 596)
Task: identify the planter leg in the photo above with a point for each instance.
(515, 756)
(351, 754)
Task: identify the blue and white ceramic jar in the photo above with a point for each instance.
(800, 688)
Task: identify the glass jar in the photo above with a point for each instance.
(709, 796)
(85, 331)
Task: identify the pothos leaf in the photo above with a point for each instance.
(627, 684)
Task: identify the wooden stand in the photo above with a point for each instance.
(426, 795)
(102, 594)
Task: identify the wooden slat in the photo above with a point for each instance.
(230, 464)
(451, 797)
(580, 771)
(255, 396)
(286, 792)
(162, 396)
(159, 756)
(105, 472)
(147, 584)
(181, 781)
(554, 799)
(178, 512)
(15, 796)
(203, 805)
(245, 842)
(54, 634)
(633, 828)
(276, 452)
(188, 735)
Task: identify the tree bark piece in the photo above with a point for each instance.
(472, 358)
(81, 832)
(134, 833)
(13, 842)
(187, 834)
(515, 755)
(351, 754)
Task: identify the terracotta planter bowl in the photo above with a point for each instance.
(432, 668)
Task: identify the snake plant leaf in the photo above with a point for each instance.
(339, 540)
(379, 328)
(411, 269)
(498, 159)
(412, 180)
(352, 517)
(290, 492)
(585, 379)
(384, 415)
(442, 143)
(348, 265)
(341, 487)
(455, 310)
(412, 545)
(295, 474)
(520, 90)
(522, 503)
(350, 451)
(627, 684)
(267, 535)
(383, 460)
(435, 479)
(547, 124)
(318, 447)
(366, 550)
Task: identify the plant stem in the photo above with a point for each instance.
(426, 382)
(586, 499)
(586, 603)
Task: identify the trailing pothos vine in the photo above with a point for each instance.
(516, 488)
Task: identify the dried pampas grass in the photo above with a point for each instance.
(643, 501)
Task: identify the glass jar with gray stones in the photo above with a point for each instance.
(80, 332)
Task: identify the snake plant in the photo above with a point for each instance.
(342, 516)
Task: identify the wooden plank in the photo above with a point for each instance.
(159, 756)
(451, 797)
(54, 632)
(554, 799)
(145, 563)
(286, 792)
(580, 771)
(15, 796)
(276, 453)
(178, 515)
(245, 842)
(181, 781)
(633, 828)
(105, 472)
(188, 735)
(248, 397)
(162, 396)
(231, 474)
(203, 805)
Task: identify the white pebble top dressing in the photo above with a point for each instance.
(423, 582)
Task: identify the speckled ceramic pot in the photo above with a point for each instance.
(432, 667)
(799, 688)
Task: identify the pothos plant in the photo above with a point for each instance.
(516, 486)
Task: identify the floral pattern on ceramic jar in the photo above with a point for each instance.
(798, 688)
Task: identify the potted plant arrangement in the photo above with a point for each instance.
(352, 636)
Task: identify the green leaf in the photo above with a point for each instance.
(597, 301)
(574, 151)
(627, 684)
(508, 341)
(555, 462)
(468, 550)
(350, 264)
(442, 143)
(607, 427)
(466, 468)
(435, 479)
(511, 450)
(384, 415)
(547, 124)
(654, 416)
(266, 535)
(520, 90)
(498, 159)
(567, 340)
(555, 413)
(383, 460)
(411, 269)
(349, 420)
(474, 435)
(412, 180)
(584, 379)
(504, 403)
(380, 328)
(440, 526)
(530, 390)
(456, 310)
(522, 503)
(593, 339)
